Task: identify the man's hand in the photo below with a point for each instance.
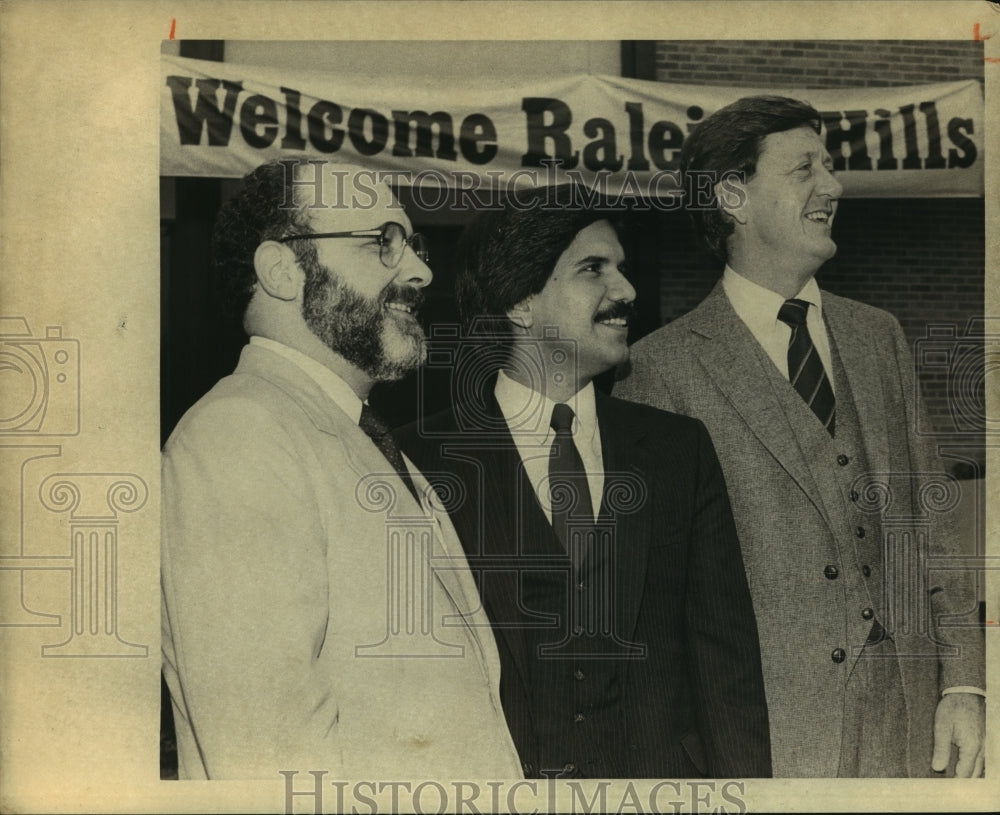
(960, 719)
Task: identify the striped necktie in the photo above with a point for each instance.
(805, 368)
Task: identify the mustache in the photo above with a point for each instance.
(405, 295)
(617, 310)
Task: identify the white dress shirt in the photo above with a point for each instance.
(528, 414)
(758, 308)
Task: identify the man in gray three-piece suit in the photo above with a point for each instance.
(873, 661)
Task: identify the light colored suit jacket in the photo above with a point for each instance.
(315, 617)
(708, 365)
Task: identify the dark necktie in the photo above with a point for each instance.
(378, 431)
(805, 368)
(568, 486)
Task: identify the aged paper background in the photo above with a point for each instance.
(79, 214)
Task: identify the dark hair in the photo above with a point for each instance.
(261, 210)
(730, 141)
(505, 256)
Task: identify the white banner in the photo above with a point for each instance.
(624, 136)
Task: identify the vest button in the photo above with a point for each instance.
(838, 655)
(578, 675)
(578, 631)
(855, 496)
(581, 586)
(528, 768)
(842, 460)
(831, 572)
(867, 614)
(569, 769)
(859, 532)
(578, 717)
(866, 570)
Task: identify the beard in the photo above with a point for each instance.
(359, 328)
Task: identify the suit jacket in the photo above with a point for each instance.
(283, 645)
(693, 703)
(707, 364)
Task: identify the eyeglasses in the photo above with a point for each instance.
(391, 238)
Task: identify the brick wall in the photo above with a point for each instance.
(818, 64)
(921, 259)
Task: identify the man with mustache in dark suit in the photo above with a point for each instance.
(600, 530)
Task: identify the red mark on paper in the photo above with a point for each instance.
(977, 34)
(991, 59)
(173, 27)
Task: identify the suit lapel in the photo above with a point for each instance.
(322, 411)
(509, 513)
(361, 456)
(731, 357)
(626, 465)
(863, 380)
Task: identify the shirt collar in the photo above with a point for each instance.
(529, 412)
(757, 306)
(331, 384)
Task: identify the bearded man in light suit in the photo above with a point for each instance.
(810, 401)
(284, 646)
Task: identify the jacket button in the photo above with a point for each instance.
(528, 768)
(866, 570)
(578, 675)
(578, 717)
(831, 572)
(867, 614)
(855, 495)
(860, 532)
(578, 631)
(838, 655)
(569, 769)
(842, 460)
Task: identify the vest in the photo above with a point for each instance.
(840, 470)
(575, 682)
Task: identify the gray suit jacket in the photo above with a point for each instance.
(708, 365)
(288, 549)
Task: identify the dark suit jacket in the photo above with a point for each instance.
(694, 701)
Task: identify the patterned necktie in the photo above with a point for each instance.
(378, 431)
(805, 368)
(568, 487)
